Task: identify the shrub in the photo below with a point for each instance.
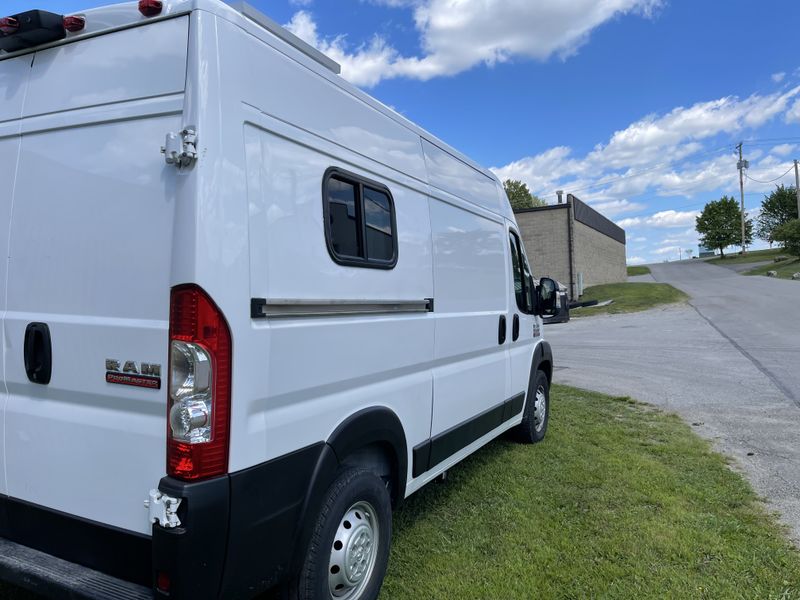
(788, 234)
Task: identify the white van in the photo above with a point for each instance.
(246, 311)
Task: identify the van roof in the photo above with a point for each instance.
(114, 17)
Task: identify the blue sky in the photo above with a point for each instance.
(633, 105)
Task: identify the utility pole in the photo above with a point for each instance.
(742, 165)
(797, 185)
(680, 253)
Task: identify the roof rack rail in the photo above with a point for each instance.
(260, 18)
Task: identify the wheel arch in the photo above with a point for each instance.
(543, 360)
(374, 427)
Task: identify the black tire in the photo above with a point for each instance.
(352, 490)
(533, 428)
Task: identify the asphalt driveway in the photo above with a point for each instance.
(729, 363)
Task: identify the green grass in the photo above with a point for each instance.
(750, 257)
(629, 297)
(620, 501)
(785, 269)
(638, 270)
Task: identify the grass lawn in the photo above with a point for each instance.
(638, 270)
(628, 297)
(785, 269)
(620, 501)
(750, 257)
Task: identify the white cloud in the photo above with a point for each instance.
(658, 152)
(778, 77)
(661, 219)
(672, 218)
(667, 250)
(612, 208)
(636, 260)
(793, 115)
(639, 239)
(783, 149)
(456, 35)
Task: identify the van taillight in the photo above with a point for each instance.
(8, 25)
(199, 388)
(150, 8)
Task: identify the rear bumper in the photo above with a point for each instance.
(56, 578)
(237, 537)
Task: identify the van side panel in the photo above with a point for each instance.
(299, 378)
(470, 275)
(446, 172)
(90, 256)
(14, 75)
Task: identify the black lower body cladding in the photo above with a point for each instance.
(238, 532)
(238, 536)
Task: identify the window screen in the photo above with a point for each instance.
(360, 223)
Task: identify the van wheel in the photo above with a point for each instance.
(349, 549)
(537, 410)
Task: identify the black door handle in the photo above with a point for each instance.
(501, 331)
(38, 353)
(515, 329)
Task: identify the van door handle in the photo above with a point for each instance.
(515, 329)
(501, 331)
(38, 353)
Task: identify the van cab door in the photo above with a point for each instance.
(526, 329)
(14, 76)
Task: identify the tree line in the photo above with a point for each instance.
(720, 223)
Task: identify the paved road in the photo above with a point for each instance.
(728, 363)
(758, 315)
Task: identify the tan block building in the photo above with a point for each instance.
(574, 244)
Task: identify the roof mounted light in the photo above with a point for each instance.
(30, 29)
(8, 25)
(74, 24)
(151, 8)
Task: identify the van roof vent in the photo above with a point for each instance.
(257, 16)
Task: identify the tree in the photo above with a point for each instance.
(788, 234)
(720, 225)
(689, 252)
(520, 196)
(776, 209)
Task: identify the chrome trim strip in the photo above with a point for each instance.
(261, 308)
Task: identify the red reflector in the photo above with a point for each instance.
(74, 24)
(162, 582)
(151, 8)
(8, 25)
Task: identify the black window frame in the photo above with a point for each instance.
(359, 183)
(528, 286)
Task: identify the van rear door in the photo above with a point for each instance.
(14, 74)
(89, 273)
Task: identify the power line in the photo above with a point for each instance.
(771, 180)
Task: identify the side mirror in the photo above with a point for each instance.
(547, 298)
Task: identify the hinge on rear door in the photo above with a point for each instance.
(163, 509)
(180, 149)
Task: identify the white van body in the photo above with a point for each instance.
(330, 351)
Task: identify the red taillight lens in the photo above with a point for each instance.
(151, 8)
(74, 24)
(8, 25)
(199, 388)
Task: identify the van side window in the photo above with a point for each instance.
(360, 224)
(523, 280)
